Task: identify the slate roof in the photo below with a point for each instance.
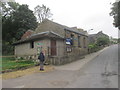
(48, 25)
(34, 37)
(80, 33)
(48, 28)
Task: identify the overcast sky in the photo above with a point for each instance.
(85, 14)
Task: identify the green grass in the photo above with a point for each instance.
(10, 63)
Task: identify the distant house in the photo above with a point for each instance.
(92, 38)
(61, 44)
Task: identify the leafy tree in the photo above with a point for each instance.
(116, 14)
(7, 25)
(42, 12)
(23, 19)
(16, 19)
(102, 41)
(8, 8)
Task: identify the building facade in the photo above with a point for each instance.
(60, 44)
(92, 38)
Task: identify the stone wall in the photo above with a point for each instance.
(76, 54)
(25, 49)
(64, 59)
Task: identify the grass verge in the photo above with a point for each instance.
(20, 73)
(17, 68)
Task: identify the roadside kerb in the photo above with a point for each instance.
(79, 63)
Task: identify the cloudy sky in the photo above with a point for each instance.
(85, 14)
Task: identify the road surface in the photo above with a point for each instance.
(100, 72)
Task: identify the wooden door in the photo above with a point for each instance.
(53, 47)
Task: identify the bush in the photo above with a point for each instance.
(119, 40)
(7, 48)
(102, 41)
(93, 48)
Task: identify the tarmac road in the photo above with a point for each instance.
(97, 70)
(101, 72)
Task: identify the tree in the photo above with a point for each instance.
(42, 13)
(16, 19)
(116, 14)
(7, 14)
(103, 41)
(8, 8)
(23, 19)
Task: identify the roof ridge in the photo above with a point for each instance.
(66, 27)
(56, 34)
